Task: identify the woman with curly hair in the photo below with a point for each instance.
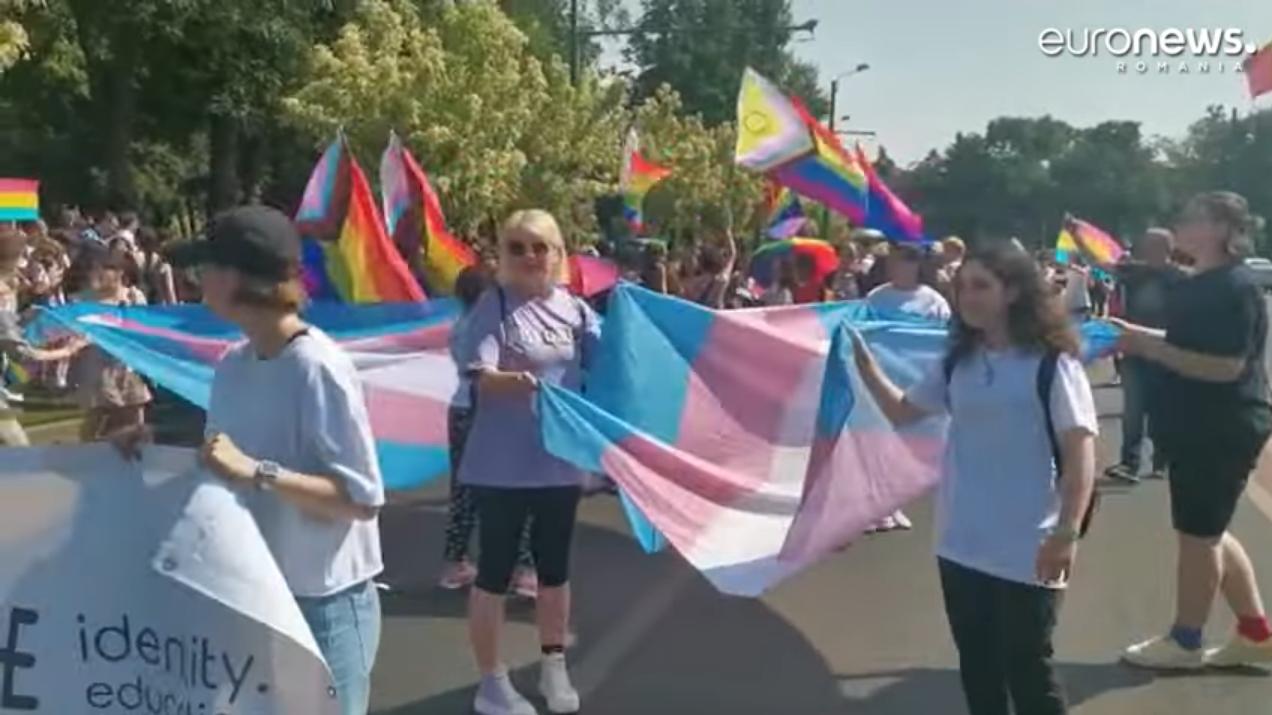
(1017, 477)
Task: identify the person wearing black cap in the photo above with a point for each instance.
(288, 424)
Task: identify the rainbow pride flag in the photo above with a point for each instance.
(414, 218)
(1089, 240)
(786, 215)
(637, 177)
(19, 199)
(348, 257)
(886, 212)
(778, 136)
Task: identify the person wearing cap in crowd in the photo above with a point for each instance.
(287, 425)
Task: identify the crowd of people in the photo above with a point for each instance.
(288, 422)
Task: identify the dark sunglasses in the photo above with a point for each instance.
(517, 249)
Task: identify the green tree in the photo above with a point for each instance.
(701, 47)
(496, 127)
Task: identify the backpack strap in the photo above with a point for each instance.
(1046, 378)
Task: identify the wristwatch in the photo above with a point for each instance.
(266, 474)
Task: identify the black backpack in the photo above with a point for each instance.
(1046, 378)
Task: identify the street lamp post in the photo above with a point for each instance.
(834, 88)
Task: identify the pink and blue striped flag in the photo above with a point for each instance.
(400, 350)
(745, 439)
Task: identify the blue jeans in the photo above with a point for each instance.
(1138, 383)
(346, 626)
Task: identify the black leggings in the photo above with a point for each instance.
(1003, 633)
(501, 512)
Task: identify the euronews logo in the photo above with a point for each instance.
(1145, 50)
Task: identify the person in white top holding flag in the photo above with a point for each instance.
(288, 426)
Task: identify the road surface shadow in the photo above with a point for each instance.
(636, 653)
(932, 690)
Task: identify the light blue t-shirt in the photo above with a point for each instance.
(552, 338)
(305, 410)
(922, 302)
(999, 498)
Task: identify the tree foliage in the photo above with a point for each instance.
(701, 47)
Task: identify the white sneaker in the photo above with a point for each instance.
(497, 696)
(1163, 653)
(1239, 653)
(902, 521)
(554, 685)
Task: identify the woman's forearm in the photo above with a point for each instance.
(496, 382)
(320, 496)
(889, 397)
(1190, 364)
(1077, 481)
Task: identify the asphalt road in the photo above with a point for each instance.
(863, 632)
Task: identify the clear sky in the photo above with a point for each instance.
(939, 67)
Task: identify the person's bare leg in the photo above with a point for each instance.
(485, 623)
(1239, 584)
(552, 613)
(1198, 575)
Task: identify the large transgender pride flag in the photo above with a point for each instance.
(746, 439)
(712, 424)
(400, 350)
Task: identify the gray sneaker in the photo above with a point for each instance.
(497, 696)
(1122, 473)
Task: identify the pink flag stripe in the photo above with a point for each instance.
(19, 186)
(404, 417)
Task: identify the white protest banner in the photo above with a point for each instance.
(143, 588)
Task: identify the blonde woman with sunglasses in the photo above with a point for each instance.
(524, 331)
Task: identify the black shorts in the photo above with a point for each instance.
(1205, 490)
(501, 515)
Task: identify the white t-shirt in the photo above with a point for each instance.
(922, 302)
(304, 409)
(1077, 294)
(999, 498)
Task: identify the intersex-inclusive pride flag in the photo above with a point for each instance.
(19, 199)
(400, 351)
(414, 218)
(637, 177)
(1078, 236)
(778, 136)
(785, 214)
(1258, 71)
(348, 257)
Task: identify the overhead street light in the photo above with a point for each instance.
(834, 88)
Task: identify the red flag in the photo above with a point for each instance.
(1258, 69)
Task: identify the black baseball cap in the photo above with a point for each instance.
(256, 240)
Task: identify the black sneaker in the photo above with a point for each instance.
(1122, 473)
